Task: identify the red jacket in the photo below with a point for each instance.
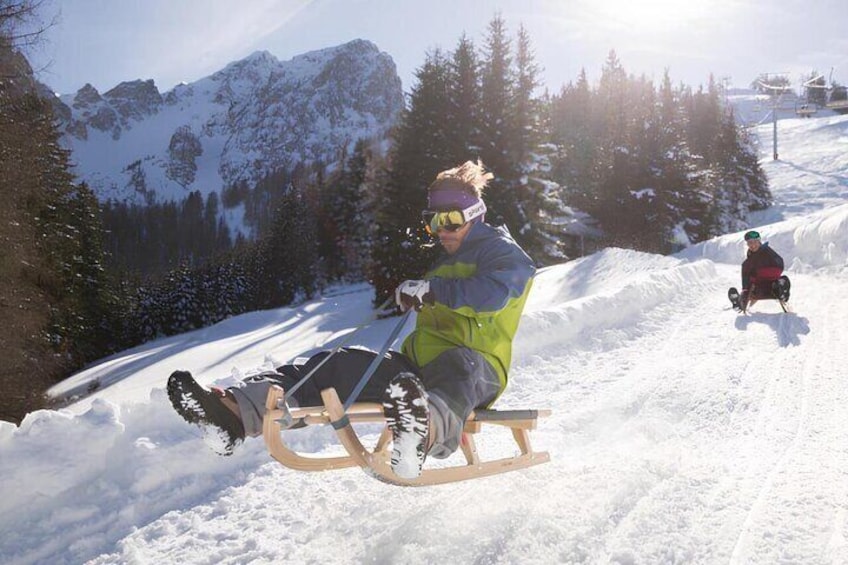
(761, 265)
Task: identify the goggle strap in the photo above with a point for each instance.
(474, 211)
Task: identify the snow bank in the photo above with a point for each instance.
(73, 482)
(807, 243)
(609, 297)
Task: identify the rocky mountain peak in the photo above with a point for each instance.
(86, 97)
(255, 116)
(135, 99)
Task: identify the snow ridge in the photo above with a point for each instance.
(606, 304)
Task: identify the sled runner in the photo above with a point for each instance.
(754, 300)
(376, 462)
(763, 289)
(735, 301)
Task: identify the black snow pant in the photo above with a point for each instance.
(457, 381)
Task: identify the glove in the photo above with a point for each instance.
(414, 294)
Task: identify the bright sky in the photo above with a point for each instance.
(104, 42)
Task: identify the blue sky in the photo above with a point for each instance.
(104, 42)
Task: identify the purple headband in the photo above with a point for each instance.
(450, 193)
(451, 199)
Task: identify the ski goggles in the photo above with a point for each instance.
(752, 235)
(451, 220)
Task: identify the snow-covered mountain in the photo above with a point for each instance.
(255, 116)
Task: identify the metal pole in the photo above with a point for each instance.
(774, 129)
(376, 361)
(339, 346)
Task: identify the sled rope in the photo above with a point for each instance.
(376, 361)
(347, 339)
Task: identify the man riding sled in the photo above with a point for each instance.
(762, 275)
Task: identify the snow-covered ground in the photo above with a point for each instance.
(681, 432)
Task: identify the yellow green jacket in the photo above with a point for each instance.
(479, 294)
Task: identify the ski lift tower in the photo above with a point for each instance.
(775, 89)
(804, 106)
(725, 82)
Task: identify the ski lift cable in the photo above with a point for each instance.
(809, 83)
(781, 89)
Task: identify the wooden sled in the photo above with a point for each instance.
(376, 462)
(763, 289)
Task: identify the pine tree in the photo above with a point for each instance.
(27, 367)
(463, 123)
(675, 168)
(498, 147)
(351, 211)
(611, 176)
(330, 200)
(191, 228)
(705, 116)
(574, 133)
(402, 249)
(90, 306)
(540, 200)
(289, 253)
(52, 289)
(525, 111)
(738, 184)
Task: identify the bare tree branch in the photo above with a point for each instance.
(21, 23)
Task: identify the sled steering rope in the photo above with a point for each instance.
(376, 461)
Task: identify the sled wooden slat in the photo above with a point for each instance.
(499, 415)
(360, 412)
(376, 462)
(355, 418)
(469, 449)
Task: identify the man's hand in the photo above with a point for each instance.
(414, 294)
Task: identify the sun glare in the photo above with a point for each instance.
(653, 15)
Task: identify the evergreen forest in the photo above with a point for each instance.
(623, 161)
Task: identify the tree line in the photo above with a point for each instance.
(652, 167)
(622, 162)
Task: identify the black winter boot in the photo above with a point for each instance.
(735, 299)
(780, 288)
(222, 429)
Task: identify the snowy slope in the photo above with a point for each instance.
(681, 432)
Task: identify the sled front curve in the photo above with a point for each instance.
(376, 463)
(272, 427)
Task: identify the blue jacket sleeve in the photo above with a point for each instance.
(502, 273)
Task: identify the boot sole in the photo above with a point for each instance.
(408, 417)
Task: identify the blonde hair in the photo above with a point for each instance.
(472, 175)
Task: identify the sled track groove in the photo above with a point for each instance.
(738, 556)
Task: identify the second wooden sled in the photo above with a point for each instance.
(376, 462)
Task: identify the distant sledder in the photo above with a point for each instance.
(762, 276)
